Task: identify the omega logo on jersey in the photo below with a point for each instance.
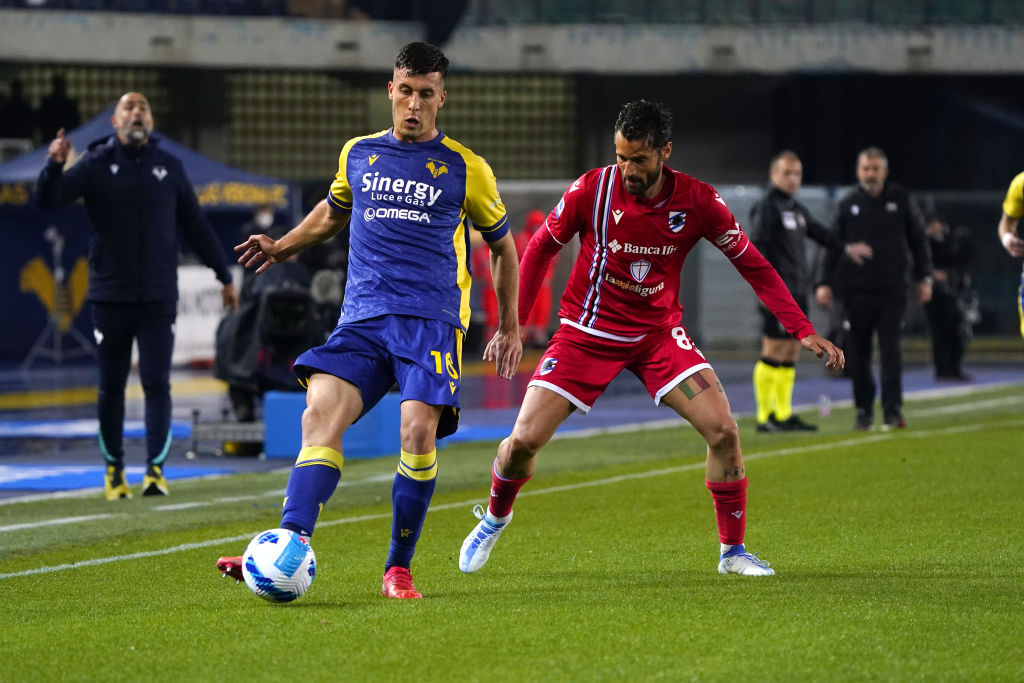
(404, 190)
(657, 250)
(392, 212)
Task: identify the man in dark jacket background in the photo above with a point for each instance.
(881, 214)
(137, 197)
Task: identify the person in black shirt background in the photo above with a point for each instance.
(951, 256)
(57, 110)
(881, 214)
(779, 227)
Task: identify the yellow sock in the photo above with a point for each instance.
(764, 389)
(418, 467)
(785, 378)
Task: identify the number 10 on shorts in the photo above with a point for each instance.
(448, 364)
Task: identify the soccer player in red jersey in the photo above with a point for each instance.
(636, 220)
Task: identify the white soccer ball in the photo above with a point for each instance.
(279, 565)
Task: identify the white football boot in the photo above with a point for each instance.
(478, 545)
(739, 561)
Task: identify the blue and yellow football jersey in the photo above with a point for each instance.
(1013, 205)
(409, 247)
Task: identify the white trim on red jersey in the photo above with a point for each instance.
(599, 333)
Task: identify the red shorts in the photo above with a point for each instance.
(579, 366)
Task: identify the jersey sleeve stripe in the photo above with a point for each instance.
(496, 231)
(546, 227)
(733, 258)
(338, 204)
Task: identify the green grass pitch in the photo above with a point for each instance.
(899, 557)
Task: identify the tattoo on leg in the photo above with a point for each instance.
(693, 385)
(737, 472)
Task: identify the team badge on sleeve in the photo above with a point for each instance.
(560, 208)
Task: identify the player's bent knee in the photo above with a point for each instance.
(524, 445)
(724, 435)
(322, 425)
(418, 435)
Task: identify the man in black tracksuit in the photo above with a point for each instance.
(882, 215)
(138, 197)
(779, 227)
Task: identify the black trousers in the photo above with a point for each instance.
(116, 326)
(944, 317)
(876, 312)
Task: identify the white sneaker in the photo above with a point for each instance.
(744, 563)
(478, 545)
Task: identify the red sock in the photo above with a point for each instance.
(503, 492)
(730, 509)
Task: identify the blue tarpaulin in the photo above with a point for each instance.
(218, 185)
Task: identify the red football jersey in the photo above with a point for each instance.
(625, 281)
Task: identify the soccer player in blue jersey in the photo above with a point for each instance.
(406, 195)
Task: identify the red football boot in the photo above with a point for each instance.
(231, 566)
(398, 584)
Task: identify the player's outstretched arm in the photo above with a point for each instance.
(505, 349)
(823, 348)
(319, 225)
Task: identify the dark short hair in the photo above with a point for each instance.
(780, 155)
(646, 121)
(422, 58)
(873, 153)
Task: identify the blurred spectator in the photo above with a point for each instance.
(57, 110)
(536, 329)
(17, 119)
(480, 267)
(261, 223)
(951, 257)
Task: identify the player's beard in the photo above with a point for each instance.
(638, 185)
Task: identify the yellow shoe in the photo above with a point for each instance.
(154, 484)
(114, 486)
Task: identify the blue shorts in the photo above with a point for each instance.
(423, 356)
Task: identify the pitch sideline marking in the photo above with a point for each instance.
(553, 489)
(56, 522)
